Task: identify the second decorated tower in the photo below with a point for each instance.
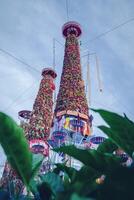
(42, 114)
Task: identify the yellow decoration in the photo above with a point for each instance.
(67, 123)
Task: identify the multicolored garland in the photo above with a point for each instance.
(71, 94)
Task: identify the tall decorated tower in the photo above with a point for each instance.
(71, 96)
(24, 117)
(42, 114)
(72, 123)
(36, 126)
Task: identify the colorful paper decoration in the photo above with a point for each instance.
(9, 177)
(71, 94)
(41, 116)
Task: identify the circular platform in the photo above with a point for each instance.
(24, 114)
(39, 146)
(97, 139)
(71, 28)
(49, 71)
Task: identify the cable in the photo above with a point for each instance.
(24, 63)
(54, 47)
(54, 62)
(89, 80)
(59, 42)
(98, 73)
(30, 95)
(116, 100)
(111, 30)
(54, 53)
(19, 96)
(123, 105)
(18, 59)
(88, 54)
(100, 35)
(67, 10)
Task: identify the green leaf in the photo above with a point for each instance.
(53, 180)
(37, 160)
(81, 181)
(118, 184)
(120, 130)
(34, 188)
(114, 120)
(107, 146)
(76, 197)
(15, 147)
(92, 158)
(45, 191)
(87, 174)
(70, 171)
(79, 154)
(124, 143)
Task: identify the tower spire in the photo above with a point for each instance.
(71, 116)
(41, 116)
(71, 97)
(36, 125)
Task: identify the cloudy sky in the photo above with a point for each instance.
(27, 30)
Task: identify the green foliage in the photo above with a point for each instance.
(103, 162)
(120, 130)
(54, 181)
(16, 147)
(70, 171)
(118, 185)
(77, 184)
(79, 181)
(51, 184)
(119, 180)
(45, 191)
(37, 160)
(107, 146)
(95, 163)
(76, 197)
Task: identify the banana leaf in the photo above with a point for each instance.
(102, 162)
(15, 147)
(120, 130)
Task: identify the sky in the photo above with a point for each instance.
(27, 31)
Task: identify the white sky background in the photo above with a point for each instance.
(27, 29)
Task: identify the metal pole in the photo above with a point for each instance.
(98, 74)
(54, 67)
(88, 80)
